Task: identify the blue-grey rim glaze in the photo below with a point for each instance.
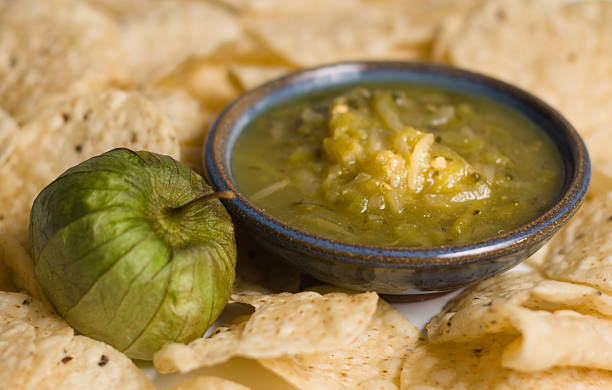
(347, 73)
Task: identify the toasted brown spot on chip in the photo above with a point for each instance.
(103, 361)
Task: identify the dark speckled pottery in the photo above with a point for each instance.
(396, 270)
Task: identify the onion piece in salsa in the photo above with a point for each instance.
(408, 165)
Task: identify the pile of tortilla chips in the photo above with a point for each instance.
(79, 77)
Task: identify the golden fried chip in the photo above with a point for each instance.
(310, 322)
(208, 383)
(582, 251)
(317, 32)
(479, 310)
(22, 307)
(560, 324)
(218, 348)
(8, 135)
(20, 268)
(250, 76)
(559, 52)
(598, 144)
(56, 359)
(64, 135)
(477, 366)
(559, 338)
(204, 79)
(443, 41)
(121, 10)
(408, 52)
(54, 48)
(248, 50)
(418, 20)
(372, 361)
(172, 31)
(282, 324)
(190, 120)
(50, 332)
(283, 7)
(89, 364)
(313, 38)
(16, 353)
(484, 308)
(596, 17)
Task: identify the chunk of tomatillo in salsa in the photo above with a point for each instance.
(406, 165)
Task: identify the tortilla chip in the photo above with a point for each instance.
(282, 324)
(218, 348)
(208, 81)
(173, 31)
(479, 310)
(56, 359)
(582, 251)
(372, 361)
(9, 132)
(16, 353)
(598, 145)
(54, 48)
(89, 364)
(560, 324)
(408, 52)
(250, 76)
(50, 335)
(279, 7)
(305, 319)
(486, 307)
(310, 33)
(443, 41)
(121, 10)
(564, 52)
(477, 366)
(209, 383)
(596, 17)
(20, 268)
(559, 338)
(314, 38)
(65, 135)
(419, 21)
(190, 120)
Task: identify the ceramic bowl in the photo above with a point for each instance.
(393, 270)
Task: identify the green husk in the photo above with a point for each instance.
(127, 254)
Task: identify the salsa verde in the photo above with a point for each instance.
(390, 165)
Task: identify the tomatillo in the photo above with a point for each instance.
(134, 249)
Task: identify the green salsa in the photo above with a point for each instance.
(390, 165)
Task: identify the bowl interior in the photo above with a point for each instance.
(239, 114)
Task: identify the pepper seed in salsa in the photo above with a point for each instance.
(409, 166)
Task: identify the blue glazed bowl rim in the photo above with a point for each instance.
(237, 114)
